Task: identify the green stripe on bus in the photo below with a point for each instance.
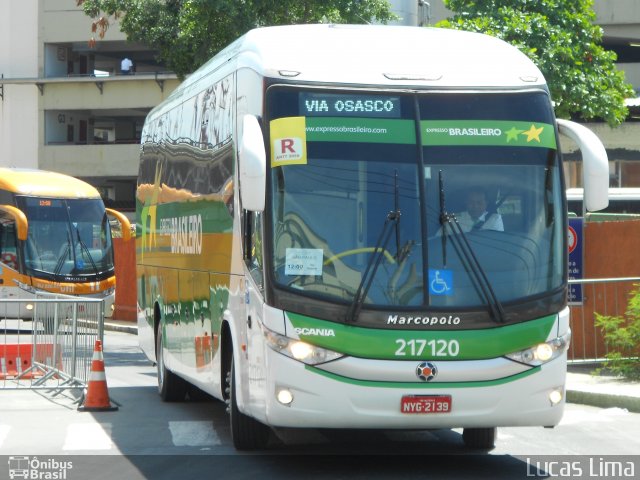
(214, 214)
(487, 133)
(401, 344)
(360, 130)
(423, 385)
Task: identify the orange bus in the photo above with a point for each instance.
(55, 237)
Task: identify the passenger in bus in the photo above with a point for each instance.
(476, 216)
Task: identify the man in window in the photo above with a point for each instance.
(125, 66)
(476, 216)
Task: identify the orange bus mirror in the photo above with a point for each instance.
(125, 225)
(22, 224)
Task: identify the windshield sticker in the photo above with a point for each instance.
(440, 282)
(288, 141)
(487, 132)
(361, 130)
(303, 261)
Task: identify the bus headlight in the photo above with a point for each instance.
(543, 352)
(298, 350)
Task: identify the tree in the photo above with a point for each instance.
(622, 336)
(189, 32)
(561, 39)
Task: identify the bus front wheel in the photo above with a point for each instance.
(246, 432)
(480, 438)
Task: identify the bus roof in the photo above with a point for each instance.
(25, 181)
(382, 55)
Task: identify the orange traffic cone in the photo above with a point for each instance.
(97, 397)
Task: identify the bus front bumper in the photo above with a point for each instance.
(321, 400)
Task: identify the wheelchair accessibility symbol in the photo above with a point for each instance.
(440, 282)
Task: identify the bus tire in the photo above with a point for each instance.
(171, 387)
(246, 433)
(480, 438)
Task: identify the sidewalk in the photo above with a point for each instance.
(602, 390)
(582, 387)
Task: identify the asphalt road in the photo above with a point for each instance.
(147, 438)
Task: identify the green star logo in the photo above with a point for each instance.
(513, 134)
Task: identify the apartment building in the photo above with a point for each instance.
(620, 20)
(65, 106)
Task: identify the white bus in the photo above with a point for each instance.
(299, 251)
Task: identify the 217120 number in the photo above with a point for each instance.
(434, 348)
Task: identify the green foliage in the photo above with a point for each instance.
(560, 37)
(622, 336)
(187, 33)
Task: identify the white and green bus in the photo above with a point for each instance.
(300, 248)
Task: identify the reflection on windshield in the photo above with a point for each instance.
(330, 215)
(503, 189)
(516, 242)
(68, 239)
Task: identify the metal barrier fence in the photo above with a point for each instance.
(47, 342)
(606, 296)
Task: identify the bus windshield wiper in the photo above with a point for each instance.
(85, 249)
(393, 217)
(461, 242)
(61, 260)
(445, 218)
(63, 256)
(396, 206)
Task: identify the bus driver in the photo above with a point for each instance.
(477, 217)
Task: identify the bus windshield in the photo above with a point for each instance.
(69, 239)
(379, 201)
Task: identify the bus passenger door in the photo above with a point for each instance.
(254, 299)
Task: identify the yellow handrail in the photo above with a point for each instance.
(356, 251)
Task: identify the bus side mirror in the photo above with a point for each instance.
(595, 164)
(22, 224)
(125, 225)
(253, 165)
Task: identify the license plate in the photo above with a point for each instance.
(425, 404)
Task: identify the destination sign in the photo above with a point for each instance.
(348, 105)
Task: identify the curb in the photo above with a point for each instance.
(604, 400)
(117, 327)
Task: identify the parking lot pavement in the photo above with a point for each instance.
(582, 386)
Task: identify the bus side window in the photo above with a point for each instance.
(8, 254)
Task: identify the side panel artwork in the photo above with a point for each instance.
(185, 222)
